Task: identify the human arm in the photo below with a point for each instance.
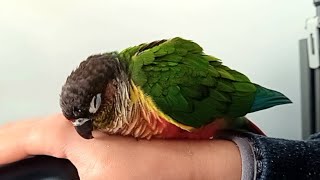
(112, 157)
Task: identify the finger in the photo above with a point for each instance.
(11, 139)
(46, 136)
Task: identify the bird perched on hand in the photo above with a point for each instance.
(163, 89)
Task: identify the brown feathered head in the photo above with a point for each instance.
(84, 90)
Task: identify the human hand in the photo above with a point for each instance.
(114, 157)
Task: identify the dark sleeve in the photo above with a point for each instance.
(272, 158)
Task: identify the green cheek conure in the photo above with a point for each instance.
(163, 89)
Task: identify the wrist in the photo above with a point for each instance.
(219, 159)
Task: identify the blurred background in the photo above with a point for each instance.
(42, 41)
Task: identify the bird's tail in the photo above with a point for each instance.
(266, 98)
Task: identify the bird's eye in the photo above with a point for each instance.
(95, 103)
(76, 111)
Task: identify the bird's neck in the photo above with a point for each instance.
(129, 113)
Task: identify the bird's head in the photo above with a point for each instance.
(84, 93)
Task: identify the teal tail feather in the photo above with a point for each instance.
(266, 98)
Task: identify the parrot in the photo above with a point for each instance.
(166, 89)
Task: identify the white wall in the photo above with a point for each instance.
(41, 42)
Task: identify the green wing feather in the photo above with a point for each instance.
(189, 86)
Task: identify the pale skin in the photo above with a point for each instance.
(114, 157)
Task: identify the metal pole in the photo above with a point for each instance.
(307, 91)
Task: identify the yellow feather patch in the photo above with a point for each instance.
(136, 94)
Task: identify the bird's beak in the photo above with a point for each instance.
(84, 127)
